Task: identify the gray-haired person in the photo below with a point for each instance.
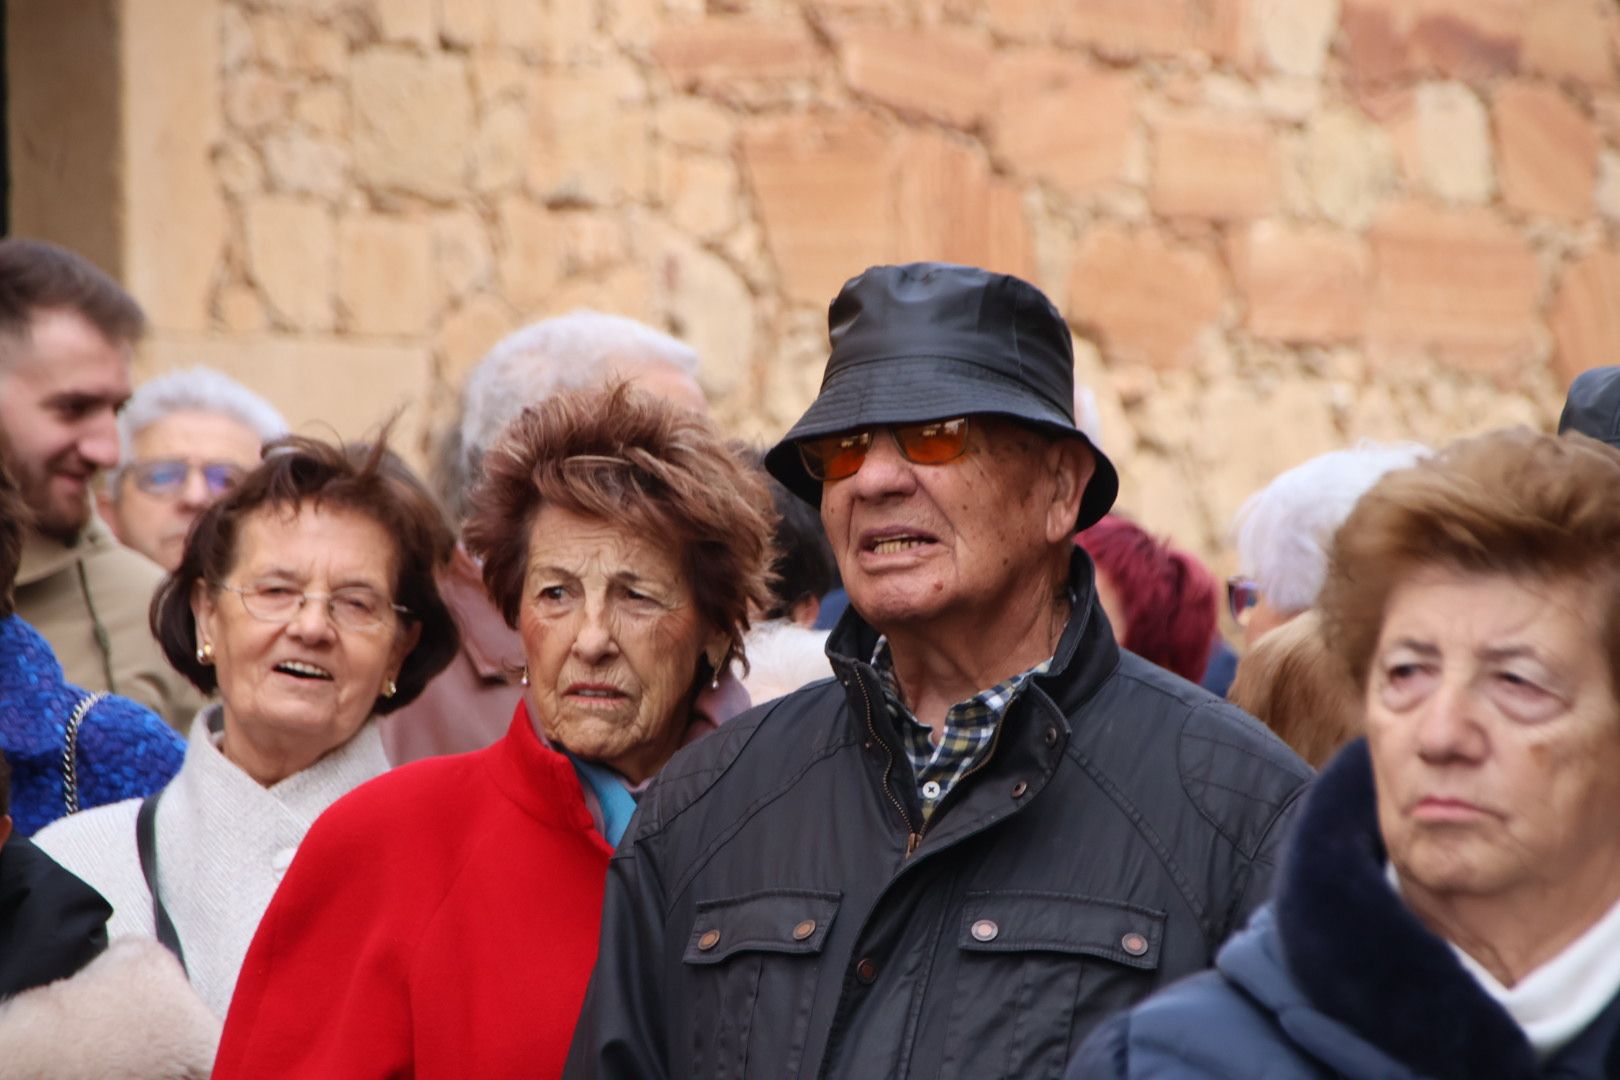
(185, 438)
(469, 706)
(993, 828)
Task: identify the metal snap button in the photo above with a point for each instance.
(1019, 789)
(867, 971)
(804, 929)
(709, 940)
(1051, 736)
(1135, 944)
(984, 930)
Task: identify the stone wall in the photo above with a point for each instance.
(1276, 226)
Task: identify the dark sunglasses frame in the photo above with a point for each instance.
(1241, 595)
(819, 454)
(218, 476)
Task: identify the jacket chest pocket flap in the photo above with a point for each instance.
(746, 950)
(1035, 970)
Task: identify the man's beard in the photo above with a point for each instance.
(59, 521)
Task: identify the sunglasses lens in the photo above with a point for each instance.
(933, 443)
(834, 457)
(160, 477)
(1241, 596)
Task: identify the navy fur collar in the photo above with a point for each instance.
(1360, 956)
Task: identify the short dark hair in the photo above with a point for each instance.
(1517, 503)
(804, 566)
(364, 478)
(37, 276)
(620, 455)
(14, 519)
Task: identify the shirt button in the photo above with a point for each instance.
(1135, 944)
(804, 929)
(985, 930)
(1019, 789)
(866, 971)
(709, 940)
(930, 790)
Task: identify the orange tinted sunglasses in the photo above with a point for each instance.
(834, 457)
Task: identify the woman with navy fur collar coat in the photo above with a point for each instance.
(1450, 906)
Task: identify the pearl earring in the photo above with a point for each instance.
(525, 674)
(205, 653)
(390, 688)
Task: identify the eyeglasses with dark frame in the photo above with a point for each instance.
(165, 478)
(1241, 595)
(354, 607)
(933, 442)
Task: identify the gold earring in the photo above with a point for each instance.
(205, 653)
(390, 688)
(525, 679)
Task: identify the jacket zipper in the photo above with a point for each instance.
(913, 837)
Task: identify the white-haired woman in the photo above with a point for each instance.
(466, 708)
(185, 439)
(1284, 529)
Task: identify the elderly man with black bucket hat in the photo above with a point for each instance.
(993, 828)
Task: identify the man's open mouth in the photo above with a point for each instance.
(890, 545)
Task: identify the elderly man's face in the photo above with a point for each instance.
(60, 392)
(917, 543)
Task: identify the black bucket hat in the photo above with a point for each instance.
(1593, 405)
(928, 341)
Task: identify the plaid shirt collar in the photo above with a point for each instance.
(970, 729)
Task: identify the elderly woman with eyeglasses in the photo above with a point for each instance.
(442, 921)
(306, 600)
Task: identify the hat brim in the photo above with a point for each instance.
(912, 389)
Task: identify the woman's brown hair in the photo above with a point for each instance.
(624, 457)
(1297, 688)
(1515, 502)
(362, 478)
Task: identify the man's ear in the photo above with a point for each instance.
(1070, 463)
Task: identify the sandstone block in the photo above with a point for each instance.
(707, 304)
(300, 164)
(695, 124)
(625, 290)
(1350, 167)
(1463, 39)
(702, 194)
(292, 255)
(238, 310)
(1294, 35)
(237, 168)
(272, 40)
(529, 246)
(324, 109)
(470, 331)
(1461, 283)
(320, 51)
(518, 24)
(1019, 20)
(1126, 29)
(500, 76)
(591, 136)
(413, 120)
(1547, 150)
(235, 38)
(255, 98)
(461, 252)
(1608, 186)
(823, 191)
(1246, 434)
(1453, 139)
(406, 22)
(1062, 123)
(1301, 285)
(951, 209)
(1145, 299)
(591, 242)
(501, 151)
(928, 74)
(1571, 39)
(386, 280)
(737, 59)
(464, 23)
(319, 384)
(1214, 165)
(1585, 315)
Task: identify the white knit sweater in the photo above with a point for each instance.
(223, 843)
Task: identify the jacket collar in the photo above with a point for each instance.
(1360, 956)
(44, 556)
(539, 780)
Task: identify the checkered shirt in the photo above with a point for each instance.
(970, 729)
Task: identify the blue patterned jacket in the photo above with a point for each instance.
(124, 750)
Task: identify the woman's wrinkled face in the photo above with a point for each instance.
(297, 688)
(1495, 737)
(612, 639)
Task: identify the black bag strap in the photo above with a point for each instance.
(146, 844)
